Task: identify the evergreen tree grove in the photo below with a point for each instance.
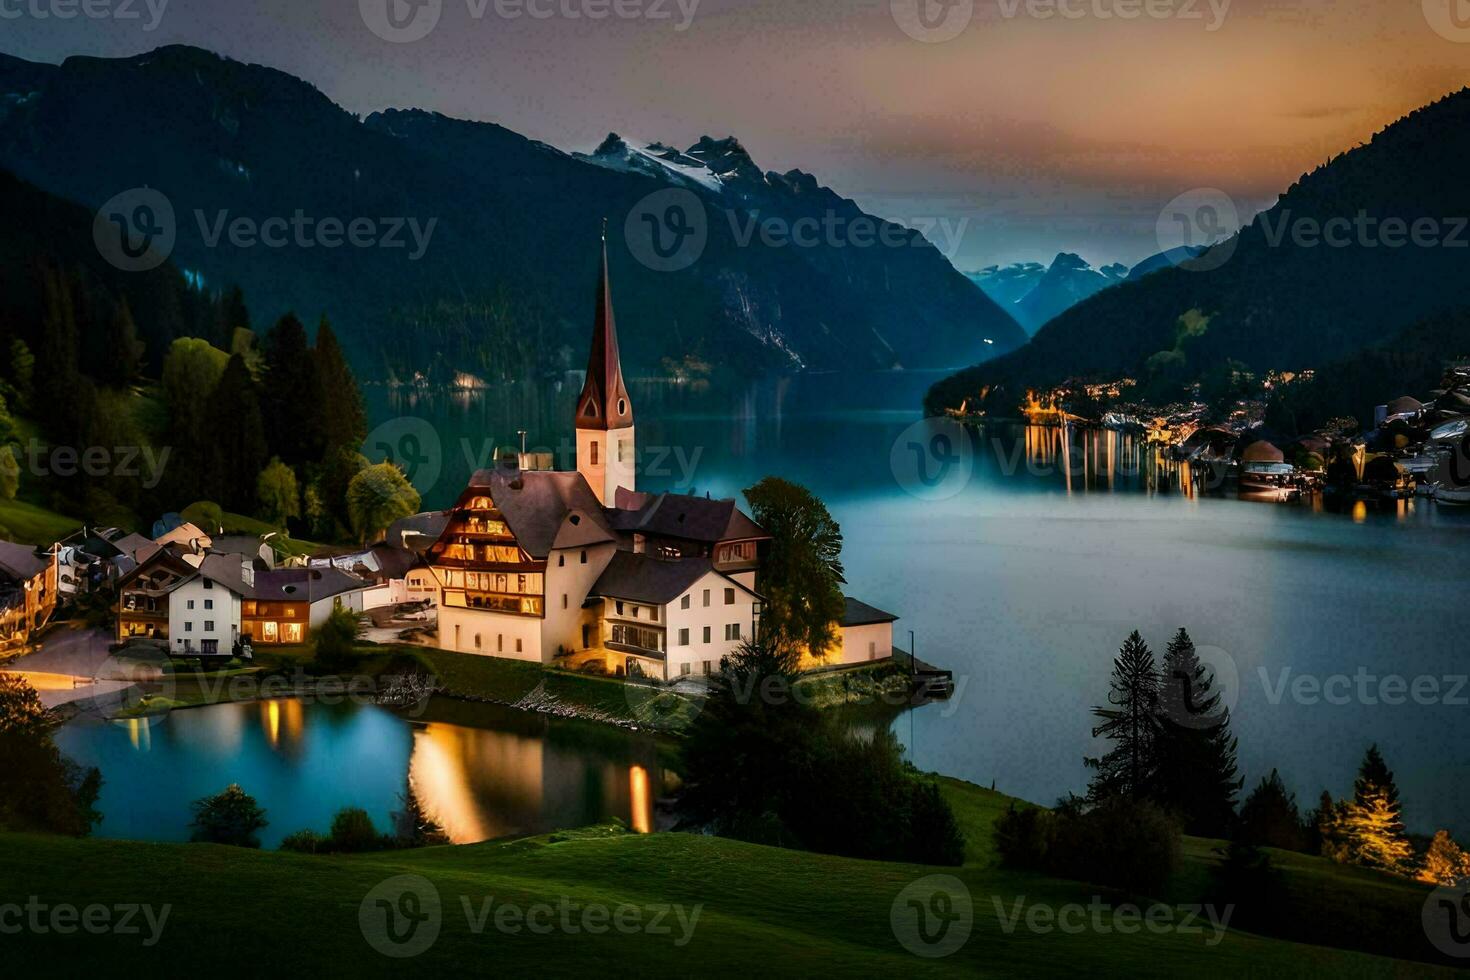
(1194, 762)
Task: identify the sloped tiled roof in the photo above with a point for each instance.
(304, 584)
(856, 613)
(20, 561)
(683, 516)
(538, 506)
(643, 579)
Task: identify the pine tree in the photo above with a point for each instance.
(1195, 752)
(124, 352)
(1446, 863)
(1131, 723)
(237, 448)
(289, 403)
(1269, 817)
(1372, 826)
(21, 372)
(343, 418)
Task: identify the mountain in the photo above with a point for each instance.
(1034, 293)
(494, 275)
(1330, 269)
(1067, 282)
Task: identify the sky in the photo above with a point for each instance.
(1015, 129)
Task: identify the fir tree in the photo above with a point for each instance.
(237, 448)
(1373, 828)
(1446, 863)
(1269, 817)
(124, 352)
(343, 418)
(292, 415)
(1196, 775)
(1131, 723)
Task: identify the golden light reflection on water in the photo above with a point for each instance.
(1088, 459)
(482, 784)
(140, 734)
(284, 723)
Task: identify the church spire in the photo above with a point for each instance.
(604, 402)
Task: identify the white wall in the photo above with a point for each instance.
(612, 469)
(567, 576)
(717, 615)
(859, 644)
(322, 608)
(225, 615)
(498, 633)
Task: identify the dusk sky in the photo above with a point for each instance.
(1041, 133)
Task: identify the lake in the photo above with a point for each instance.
(1021, 574)
(1024, 577)
(509, 774)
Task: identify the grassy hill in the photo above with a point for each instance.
(778, 912)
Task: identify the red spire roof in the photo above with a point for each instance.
(604, 402)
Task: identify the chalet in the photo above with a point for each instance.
(28, 592)
(583, 570)
(143, 594)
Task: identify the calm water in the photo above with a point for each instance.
(1027, 579)
(1021, 575)
(510, 774)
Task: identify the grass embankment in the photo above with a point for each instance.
(523, 685)
(28, 523)
(782, 913)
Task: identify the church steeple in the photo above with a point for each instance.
(606, 452)
(604, 402)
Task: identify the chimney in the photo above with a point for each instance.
(247, 572)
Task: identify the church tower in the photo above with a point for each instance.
(605, 447)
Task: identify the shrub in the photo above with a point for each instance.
(1024, 837)
(1118, 843)
(305, 842)
(231, 817)
(353, 832)
(334, 641)
(1121, 843)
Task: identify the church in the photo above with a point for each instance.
(581, 570)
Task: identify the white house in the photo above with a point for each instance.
(582, 570)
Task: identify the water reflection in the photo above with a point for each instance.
(480, 771)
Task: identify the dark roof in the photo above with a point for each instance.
(675, 515)
(856, 613)
(393, 562)
(229, 571)
(640, 578)
(604, 392)
(135, 546)
(405, 532)
(544, 510)
(20, 561)
(304, 584)
(237, 544)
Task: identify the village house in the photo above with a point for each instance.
(202, 604)
(28, 592)
(582, 570)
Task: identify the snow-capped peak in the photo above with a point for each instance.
(652, 159)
